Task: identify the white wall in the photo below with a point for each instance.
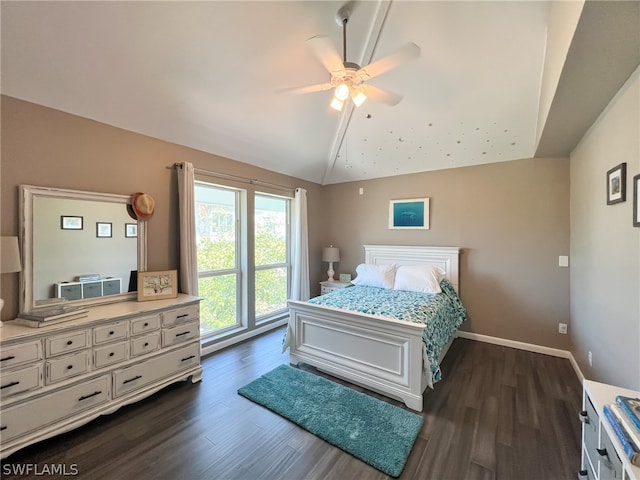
(605, 247)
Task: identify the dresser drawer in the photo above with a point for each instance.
(91, 289)
(184, 314)
(157, 368)
(610, 463)
(19, 354)
(67, 367)
(180, 333)
(109, 354)
(69, 342)
(22, 380)
(37, 414)
(109, 333)
(145, 344)
(145, 324)
(590, 424)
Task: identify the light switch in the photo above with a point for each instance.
(361, 191)
(563, 261)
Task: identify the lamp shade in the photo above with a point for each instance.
(331, 254)
(9, 255)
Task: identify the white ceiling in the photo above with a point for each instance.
(207, 75)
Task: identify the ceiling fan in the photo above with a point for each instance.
(348, 78)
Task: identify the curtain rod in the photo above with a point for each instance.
(237, 178)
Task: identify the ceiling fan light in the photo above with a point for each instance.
(342, 92)
(337, 104)
(358, 98)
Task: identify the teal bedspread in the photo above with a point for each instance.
(442, 313)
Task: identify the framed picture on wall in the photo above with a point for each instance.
(130, 230)
(103, 230)
(617, 184)
(157, 285)
(636, 193)
(409, 214)
(70, 222)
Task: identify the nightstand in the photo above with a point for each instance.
(328, 287)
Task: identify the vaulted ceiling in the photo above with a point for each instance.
(209, 75)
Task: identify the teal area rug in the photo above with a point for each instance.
(374, 431)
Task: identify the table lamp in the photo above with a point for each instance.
(331, 254)
(9, 259)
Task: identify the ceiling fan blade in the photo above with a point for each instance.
(326, 53)
(380, 95)
(320, 87)
(405, 54)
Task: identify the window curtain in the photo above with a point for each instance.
(188, 250)
(300, 257)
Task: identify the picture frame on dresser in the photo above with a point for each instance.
(157, 285)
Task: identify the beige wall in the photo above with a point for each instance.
(512, 221)
(46, 147)
(605, 247)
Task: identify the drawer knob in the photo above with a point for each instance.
(602, 452)
(181, 334)
(69, 367)
(188, 358)
(582, 474)
(12, 384)
(69, 342)
(84, 397)
(146, 344)
(3, 427)
(584, 416)
(146, 324)
(111, 332)
(10, 357)
(183, 315)
(111, 354)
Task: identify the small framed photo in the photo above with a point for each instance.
(157, 285)
(345, 277)
(103, 230)
(636, 194)
(410, 214)
(617, 184)
(70, 222)
(130, 230)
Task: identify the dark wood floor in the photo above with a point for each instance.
(499, 413)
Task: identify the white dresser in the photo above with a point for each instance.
(56, 378)
(602, 454)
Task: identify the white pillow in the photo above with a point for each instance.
(381, 276)
(418, 278)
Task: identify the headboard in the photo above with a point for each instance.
(444, 257)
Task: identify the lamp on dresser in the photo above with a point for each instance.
(331, 254)
(9, 259)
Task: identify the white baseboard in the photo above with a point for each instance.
(530, 347)
(215, 346)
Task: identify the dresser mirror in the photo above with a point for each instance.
(82, 246)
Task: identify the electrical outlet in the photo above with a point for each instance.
(590, 359)
(562, 328)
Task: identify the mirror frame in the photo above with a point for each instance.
(27, 195)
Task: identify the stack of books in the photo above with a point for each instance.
(41, 317)
(624, 417)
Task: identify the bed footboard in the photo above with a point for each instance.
(380, 354)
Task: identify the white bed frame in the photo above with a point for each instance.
(381, 354)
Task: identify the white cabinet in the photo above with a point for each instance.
(603, 457)
(58, 377)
